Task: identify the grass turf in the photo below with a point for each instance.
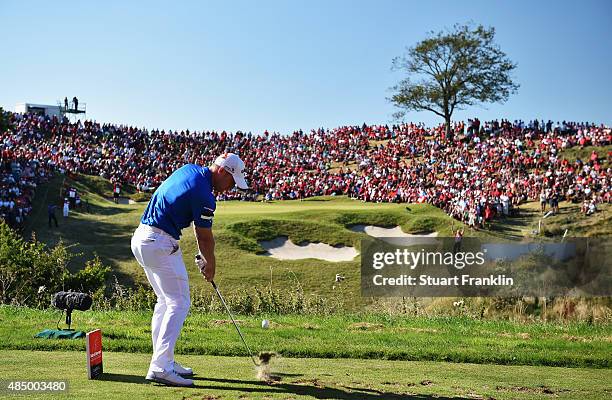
(457, 339)
(312, 378)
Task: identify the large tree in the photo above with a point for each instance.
(452, 69)
(3, 121)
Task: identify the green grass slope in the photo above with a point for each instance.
(238, 226)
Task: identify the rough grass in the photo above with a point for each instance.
(369, 336)
(571, 219)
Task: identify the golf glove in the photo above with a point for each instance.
(200, 262)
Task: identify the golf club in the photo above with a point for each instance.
(234, 322)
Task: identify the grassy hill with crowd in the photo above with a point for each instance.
(331, 342)
(104, 228)
(238, 226)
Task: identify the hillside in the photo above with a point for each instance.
(239, 226)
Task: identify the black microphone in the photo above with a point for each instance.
(70, 301)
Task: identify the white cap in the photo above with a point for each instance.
(235, 166)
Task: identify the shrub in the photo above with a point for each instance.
(31, 272)
(28, 270)
(126, 299)
(88, 279)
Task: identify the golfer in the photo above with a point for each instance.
(185, 197)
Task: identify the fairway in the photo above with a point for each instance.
(311, 378)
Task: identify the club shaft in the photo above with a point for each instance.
(234, 322)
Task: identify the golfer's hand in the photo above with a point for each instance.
(209, 272)
(200, 262)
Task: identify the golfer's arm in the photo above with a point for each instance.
(206, 244)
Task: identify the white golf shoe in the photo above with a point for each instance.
(170, 378)
(182, 371)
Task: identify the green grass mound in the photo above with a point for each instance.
(298, 231)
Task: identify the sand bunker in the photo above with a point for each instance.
(395, 235)
(283, 249)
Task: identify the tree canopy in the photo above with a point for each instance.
(451, 70)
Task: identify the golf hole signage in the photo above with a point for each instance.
(94, 354)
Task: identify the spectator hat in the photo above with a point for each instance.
(235, 166)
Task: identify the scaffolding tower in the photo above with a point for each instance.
(72, 110)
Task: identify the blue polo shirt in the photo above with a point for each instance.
(185, 197)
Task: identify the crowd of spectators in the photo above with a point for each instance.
(19, 177)
(482, 171)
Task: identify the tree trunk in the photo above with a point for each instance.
(449, 133)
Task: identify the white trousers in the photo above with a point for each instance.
(161, 258)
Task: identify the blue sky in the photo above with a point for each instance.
(286, 65)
